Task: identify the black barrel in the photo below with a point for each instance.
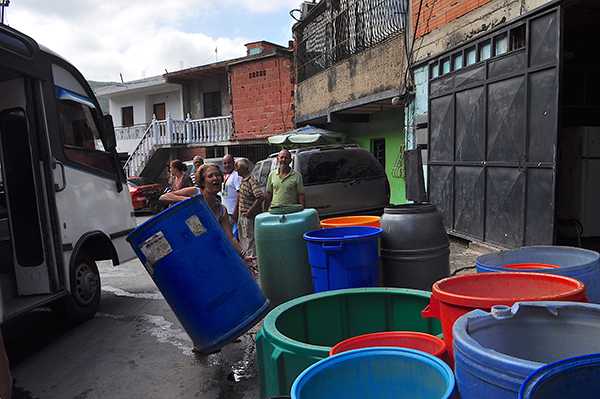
(415, 250)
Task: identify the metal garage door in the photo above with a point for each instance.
(493, 115)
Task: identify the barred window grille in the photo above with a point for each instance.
(338, 29)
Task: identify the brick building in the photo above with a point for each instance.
(255, 91)
(262, 92)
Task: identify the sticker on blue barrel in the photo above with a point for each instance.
(156, 247)
(195, 225)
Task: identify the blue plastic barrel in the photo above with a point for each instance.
(577, 377)
(495, 352)
(376, 373)
(200, 274)
(344, 257)
(578, 263)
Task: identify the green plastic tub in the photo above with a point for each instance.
(302, 331)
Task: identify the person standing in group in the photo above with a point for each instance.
(284, 185)
(196, 162)
(249, 204)
(229, 192)
(179, 180)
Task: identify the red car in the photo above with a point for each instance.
(145, 193)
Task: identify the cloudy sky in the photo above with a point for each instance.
(142, 38)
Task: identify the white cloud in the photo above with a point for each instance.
(262, 6)
(104, 38)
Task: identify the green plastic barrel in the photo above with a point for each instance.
(302, 331)
(282, 255)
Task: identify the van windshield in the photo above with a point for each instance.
(330, 166)
(82, 140)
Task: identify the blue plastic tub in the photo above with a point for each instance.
(344, 257)
(376, 373)
(577, 377)
(495, 352)
(200, 274)
(578, 263)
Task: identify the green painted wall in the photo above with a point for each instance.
(388, 125)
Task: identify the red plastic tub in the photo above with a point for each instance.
(455, 296)
(404, 339)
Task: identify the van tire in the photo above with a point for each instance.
(82, 302)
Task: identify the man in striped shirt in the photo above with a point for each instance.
(197, 162)
(249, 204)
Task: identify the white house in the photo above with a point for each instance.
(133, 105)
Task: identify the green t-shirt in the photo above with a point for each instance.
(285, 191)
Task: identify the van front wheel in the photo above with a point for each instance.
(82, 302)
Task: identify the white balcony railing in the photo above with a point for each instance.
(131, 132)
(176, 132)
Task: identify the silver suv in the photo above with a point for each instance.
(338, 180)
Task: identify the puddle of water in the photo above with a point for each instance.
(164, 332)
(141, 295)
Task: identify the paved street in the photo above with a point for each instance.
(133, 348)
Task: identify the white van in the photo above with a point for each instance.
(64, 203)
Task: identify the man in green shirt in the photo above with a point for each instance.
(284, 185)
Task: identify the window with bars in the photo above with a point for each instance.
(378, 150)
(503, 42)
(336, 30)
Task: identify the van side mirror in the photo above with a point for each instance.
(109, 131)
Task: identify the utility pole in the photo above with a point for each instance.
(3, 3)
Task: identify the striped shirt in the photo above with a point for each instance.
(249, 192)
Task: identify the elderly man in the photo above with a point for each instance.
(249, 204)
(284, 185)
(197, 162)
(229, 192)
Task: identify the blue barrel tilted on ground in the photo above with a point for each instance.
(200, 274)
